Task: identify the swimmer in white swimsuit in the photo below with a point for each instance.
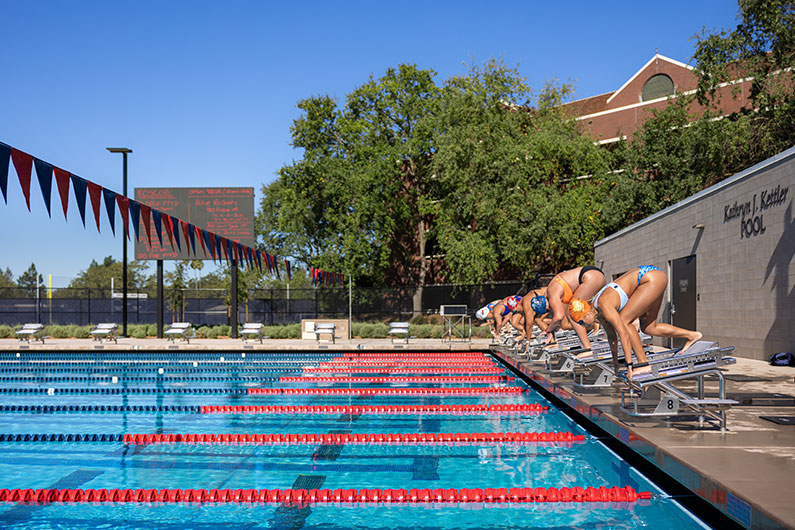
(636, 294)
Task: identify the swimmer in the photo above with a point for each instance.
(486, 313)
(534, 307)
(503, 309)
(637, 294)
(583, 283)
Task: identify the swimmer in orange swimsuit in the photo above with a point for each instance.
(582, 282)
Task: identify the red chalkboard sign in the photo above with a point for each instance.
(229, 212)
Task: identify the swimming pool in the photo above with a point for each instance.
(317, 424)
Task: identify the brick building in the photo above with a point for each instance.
(615, 115)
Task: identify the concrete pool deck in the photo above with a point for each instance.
(747, 472)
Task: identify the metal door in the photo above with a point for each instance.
(683, 296)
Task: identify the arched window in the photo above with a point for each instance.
(658, 86)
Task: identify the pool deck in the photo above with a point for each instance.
(747, 472)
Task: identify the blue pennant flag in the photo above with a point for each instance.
(44, 173)
(192, 237)
(110, 207)
(79, 186)
(218, 251)
(135, 214)
(175, 224)
(157, 217)
(206, 238)
(5, 155)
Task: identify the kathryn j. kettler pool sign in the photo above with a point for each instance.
(752, 224)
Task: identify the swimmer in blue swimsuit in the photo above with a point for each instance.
(637, 294)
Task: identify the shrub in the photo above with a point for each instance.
(56, 331)
(419, 320)
(80, 332)
(481, 332)
(6, 331)
(224, 330)
(421, 331)
(151, 330)
(138, 332)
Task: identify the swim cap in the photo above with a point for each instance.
(539, 304)
(513, 301)
(482, 313)
(578, 308)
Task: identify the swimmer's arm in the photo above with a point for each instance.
(581, 332)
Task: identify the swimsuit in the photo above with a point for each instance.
(644, 269)
(567, 292)
(589, 268)
(512, 302)
(616, 288)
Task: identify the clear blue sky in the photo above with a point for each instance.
(205, 92)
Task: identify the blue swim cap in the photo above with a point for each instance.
(539, 304)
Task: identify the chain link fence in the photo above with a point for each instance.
(269, 306)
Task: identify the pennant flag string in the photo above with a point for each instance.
(212, 244)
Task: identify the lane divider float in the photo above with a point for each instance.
(396, 379)
(388, 391)
(407, 370)
(324, 496)
(355, 438)
(511, 408)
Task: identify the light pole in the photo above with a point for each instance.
(123, 151)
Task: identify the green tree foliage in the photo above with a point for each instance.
(509, 195)
(176, 281)
(6, 280)
(30, 280)
(351, 204)
(98, 275)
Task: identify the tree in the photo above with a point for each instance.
(510, 202)
(98, 275)
(30, 280)
(7, 279)
(352, 203)
(177, 283)
(761, 47)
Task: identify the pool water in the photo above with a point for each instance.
(175, 395)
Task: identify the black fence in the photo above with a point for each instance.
(270, 306)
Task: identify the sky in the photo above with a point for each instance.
(205, 93)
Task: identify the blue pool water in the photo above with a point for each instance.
(116, 465)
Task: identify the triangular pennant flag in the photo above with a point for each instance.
(79, 186)
(223, 249)
(5, 156)
(95, 194)
(23, 163)
(239, 252)
(146, 215)
(230, 253)
(287, 269)
(62, 181)
(259, 260)
(200, 236)
(205, 236)
(110, 207)
(249, 257)
(157, 217)
(215, 246)
(276, 267)
(169, 228)
(44, 174)
(135, 216)
(174, 226)
(186, 232)
(124, 210)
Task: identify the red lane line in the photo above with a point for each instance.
(367, 409)
(364, 370)
(304, 497)
(387, 391)
(356, 438)
(407, 379)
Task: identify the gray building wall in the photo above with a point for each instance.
(745, 274)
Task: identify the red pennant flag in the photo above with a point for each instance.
(146, 213)
(212, 245)
(200, 237)
(23, 163)
(184, 227)
(169, 228)
(62, 179)
(95, 193)
(224, 250)
(124, 210)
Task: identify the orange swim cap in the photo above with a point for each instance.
(578, 308)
